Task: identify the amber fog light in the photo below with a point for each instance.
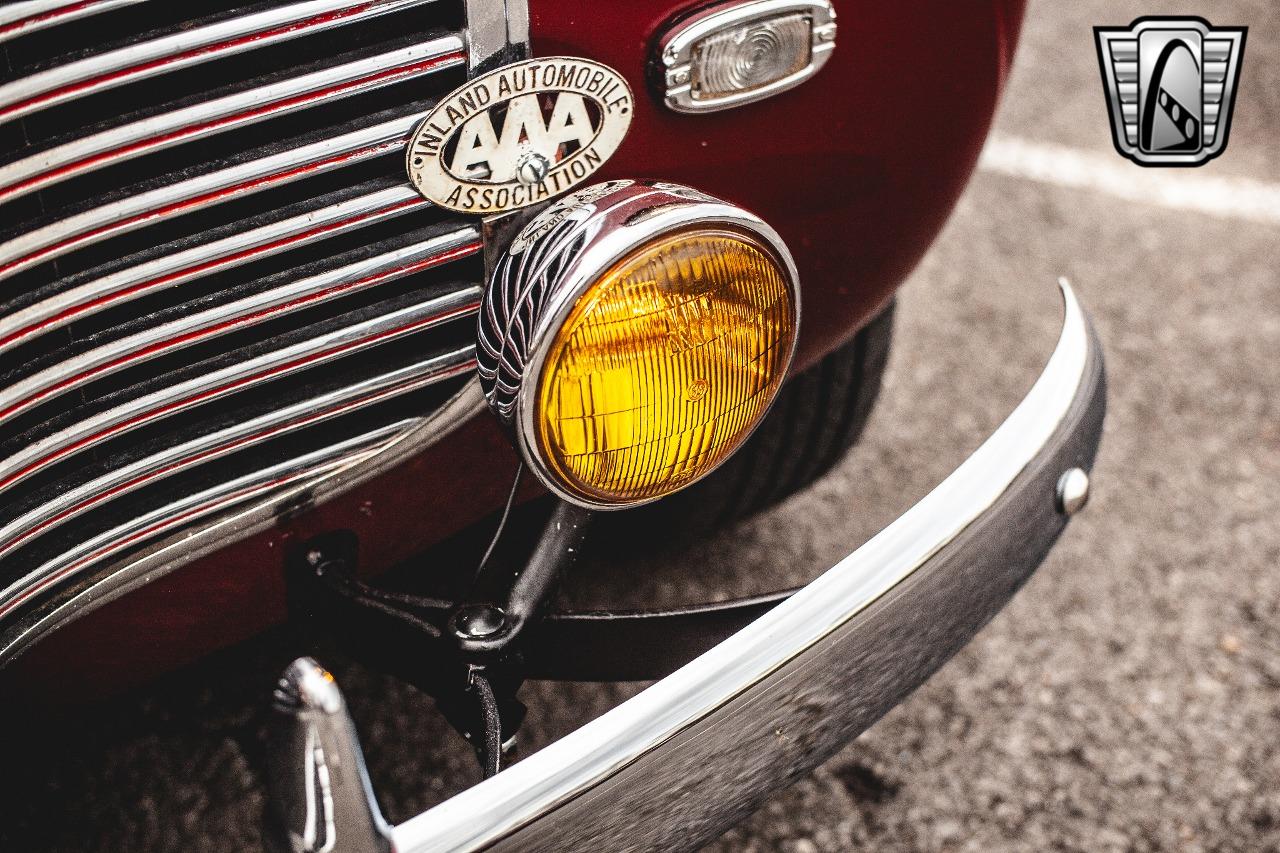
(663, 366)
(633, 336)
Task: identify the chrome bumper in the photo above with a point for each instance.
(696, 752)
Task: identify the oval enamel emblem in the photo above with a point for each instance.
(519, 135)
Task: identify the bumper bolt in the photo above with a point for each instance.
(1073, 491)
(478, 621)
(532, 169)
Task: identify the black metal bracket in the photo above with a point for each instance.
(473, 654)
(465, 654)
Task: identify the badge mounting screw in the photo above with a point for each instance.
(532, 168)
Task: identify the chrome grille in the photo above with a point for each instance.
(27, 16)
(216, 285)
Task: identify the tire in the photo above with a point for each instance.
(817, 417)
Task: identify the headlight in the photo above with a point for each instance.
(633, 336)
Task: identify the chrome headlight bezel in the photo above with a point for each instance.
(556, 258)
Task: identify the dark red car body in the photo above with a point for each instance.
(857, 169)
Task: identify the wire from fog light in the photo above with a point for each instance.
(736, 53)
(633, 336)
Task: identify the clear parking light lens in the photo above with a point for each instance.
(739, 51)
(750, 57)
(665, 365)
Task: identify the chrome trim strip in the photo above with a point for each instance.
(233, 521)
(642, 760)
(173, 460)
(269, 366)
(128, 214)
(199, 121)
(497, 34)
(212, 322)
(183, 49)
(19, 19)
(172, 270)
(198, 504)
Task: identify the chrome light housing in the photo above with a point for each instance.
(737, 53)
(633, 335)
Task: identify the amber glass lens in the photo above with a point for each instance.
(664, 366)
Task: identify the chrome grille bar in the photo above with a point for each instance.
(94, 74)
(128, 214)
(215, 445)
(119, 144)
(19, 19)
(134, 349)
(315, 465)
(178, 268)
(276, 364)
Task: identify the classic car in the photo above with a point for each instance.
(296, 290)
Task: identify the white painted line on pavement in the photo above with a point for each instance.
(1177, 189)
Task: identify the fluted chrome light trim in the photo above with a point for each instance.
(183, 49)
(114, 146)
(20, 19)
(173, 460)
(243, 247)
(148, 208)
(165, 338)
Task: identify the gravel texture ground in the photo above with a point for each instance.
(1127, 700)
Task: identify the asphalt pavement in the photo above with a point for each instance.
(1127, 700)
